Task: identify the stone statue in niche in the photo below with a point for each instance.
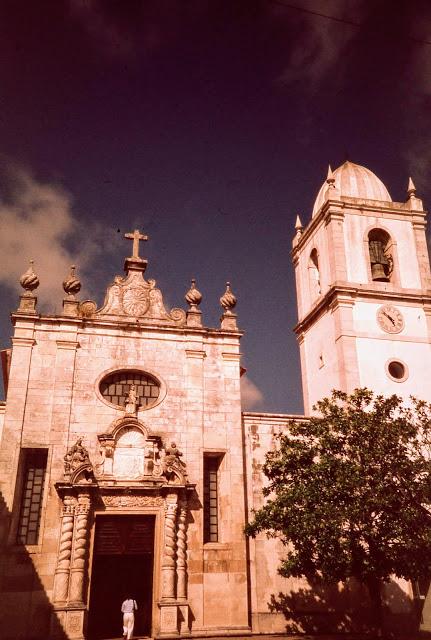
(77, 458)
(153, 461)
(105, 466)
(173, 467)
(132, 401)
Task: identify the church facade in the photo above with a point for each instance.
(127, 466)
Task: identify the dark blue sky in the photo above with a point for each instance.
(210, 125)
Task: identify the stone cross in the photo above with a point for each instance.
(135, 236)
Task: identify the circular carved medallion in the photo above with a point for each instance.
(136, 301)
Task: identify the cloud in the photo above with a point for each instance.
(102, 28)
(418, 99)
(251, 396)
(318, 44)
(121, 30)
(36, 222)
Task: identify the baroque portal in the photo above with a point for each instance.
(138, 475)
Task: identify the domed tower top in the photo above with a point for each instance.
(354, 181)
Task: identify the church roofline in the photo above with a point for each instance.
(139, 325)
(249, 416)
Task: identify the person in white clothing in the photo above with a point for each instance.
(128, 609)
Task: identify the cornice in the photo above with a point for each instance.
(348, 294)
(23, 342)
(338, 209)
(58, 322)
(255, 416)
(196, 354)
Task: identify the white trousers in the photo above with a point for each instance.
(128, 624)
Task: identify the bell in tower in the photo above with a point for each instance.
(380, 262)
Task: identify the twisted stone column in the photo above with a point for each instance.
(168, 563)
(79, 550)
(182, 552)
(62, 571)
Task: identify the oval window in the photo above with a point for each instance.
(115, 388)
(397, 370)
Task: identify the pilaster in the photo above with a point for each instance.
(22, 350)
(419, 227)
(334, 220)
(345, 342)
(67, 345)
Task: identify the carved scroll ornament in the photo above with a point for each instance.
(135, 297)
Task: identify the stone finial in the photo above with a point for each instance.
(228, 300)
(299, 229)
(72, 285)
(193, 296)
(411, 189)
(331, 191)
(29, 280)
(298, 226)
(413, 202)
(330, 177)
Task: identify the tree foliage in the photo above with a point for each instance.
(349, 492)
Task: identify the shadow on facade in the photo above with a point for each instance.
(328, 609)
(25, 609)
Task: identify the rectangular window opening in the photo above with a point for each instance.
(34, 470)
(211, 497)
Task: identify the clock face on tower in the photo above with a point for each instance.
(390, 319)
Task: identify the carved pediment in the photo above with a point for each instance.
(129, 453)
(133, 297)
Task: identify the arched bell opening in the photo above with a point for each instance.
(380, 249)
(314, 275)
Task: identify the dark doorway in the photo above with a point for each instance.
(122, 568)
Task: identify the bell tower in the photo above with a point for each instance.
(363, 286)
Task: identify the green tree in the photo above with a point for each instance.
(349, 492)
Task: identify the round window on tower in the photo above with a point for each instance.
(116, 387)
(397, 370)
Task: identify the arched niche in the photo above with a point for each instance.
(380, 254)
(129, 452)
(314, 275)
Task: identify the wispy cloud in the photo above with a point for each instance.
(109, 36)
(123, 29)
(36, 222)
(251, 396)
(418, 98)
(318, 44)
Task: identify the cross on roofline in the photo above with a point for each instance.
(136, 236)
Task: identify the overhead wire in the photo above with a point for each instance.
(352, 23)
